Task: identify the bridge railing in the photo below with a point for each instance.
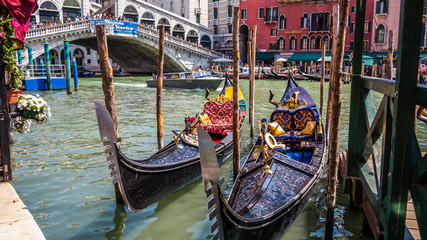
(57, 28)
(176, 40)
(57, 70)
(39, 32)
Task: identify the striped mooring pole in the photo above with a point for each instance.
(76, 77)
(19, 57)
(42, 71)
(67, 64)
(47, 59)
(30, 61)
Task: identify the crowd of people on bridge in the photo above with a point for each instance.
(54, 22)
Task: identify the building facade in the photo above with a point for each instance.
(220, 22)
(290, 26)
(194, 10)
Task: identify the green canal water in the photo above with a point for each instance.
(61, 173)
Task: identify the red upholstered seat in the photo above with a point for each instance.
(220, 116)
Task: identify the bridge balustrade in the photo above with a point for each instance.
(42, 32)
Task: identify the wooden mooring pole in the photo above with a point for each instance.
(389, 74)
(159, 100)
(336, 88)
(236, 126)
(322, 77)
(331, 75)
(251, 72)
(107, 85)
(252, 81)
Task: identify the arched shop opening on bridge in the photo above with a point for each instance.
(206, 42)
(178, 31)
(148, 19)
(70, 10)
(131, 14)
(192, 36)
(48, 12)
(166, 23)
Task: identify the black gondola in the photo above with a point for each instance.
(143, 182)
(313, 77)
(277, 179)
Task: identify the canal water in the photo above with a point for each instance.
(61, 174)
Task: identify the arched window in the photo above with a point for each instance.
(148, 19)
(165, 22)
(281, 43)
(314, 22)
(319, 42)
(282, 22)
(178, 31)
(48, 6)
(327, 20)
(304, 20)
(312, 42)
(192, 36)
(293, 43)
(70, 10)
(130, 13)
(205, 41)
(304, 42)
(48, 12)
(380, 34)
(326, 41)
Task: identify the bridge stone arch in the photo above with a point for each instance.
(137, 53)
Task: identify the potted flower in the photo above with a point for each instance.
(13, 73)
(31, 107)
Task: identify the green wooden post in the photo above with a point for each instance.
(47, 59)
(404, 116)
(357, 131)
(19, 57)
(67, 64)
(30, 61)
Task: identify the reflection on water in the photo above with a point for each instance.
(61, 173)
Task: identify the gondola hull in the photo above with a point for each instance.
(278, 176)
(144, 186)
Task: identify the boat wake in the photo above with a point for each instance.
(139, 85)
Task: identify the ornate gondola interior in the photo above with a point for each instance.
(279, 174)
(143, 182)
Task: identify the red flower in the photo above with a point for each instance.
(21, 92)
(15, 23)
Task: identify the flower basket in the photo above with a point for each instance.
(31, 107)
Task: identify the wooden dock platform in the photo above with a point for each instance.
(16, 221)
(411, 219)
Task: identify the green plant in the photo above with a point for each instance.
(13, 73)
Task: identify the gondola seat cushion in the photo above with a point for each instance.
(298, 123)
(220, 115)
(302, 117)
(283, 117)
